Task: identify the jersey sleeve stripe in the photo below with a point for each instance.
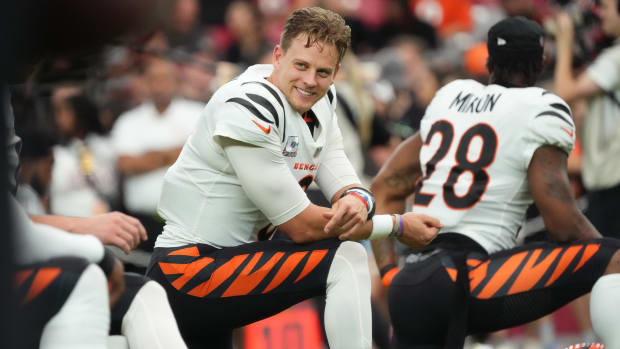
(557, 115)
(330, 96)
(265, 104)
(249, 107)
(273, 93)
(562, 107)
(277, 97)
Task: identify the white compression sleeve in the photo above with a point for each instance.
(348, 320)
(604, 309)
(265, 176)
(149, 322)
(39, 242)
(84, 319)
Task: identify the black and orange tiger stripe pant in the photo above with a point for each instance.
(212, 291)
(454, 288)
(41, 291)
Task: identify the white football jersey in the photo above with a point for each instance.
(202, 199)
(478, 143)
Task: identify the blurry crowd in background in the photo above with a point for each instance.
(100, 129)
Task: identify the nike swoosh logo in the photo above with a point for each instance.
(570, 133)
(265, 129)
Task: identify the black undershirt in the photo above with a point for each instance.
(311, 120)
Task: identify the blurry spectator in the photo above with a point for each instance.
(274, 15)
(365, 134)
(121, 94)
(148, 139)
(475, 61)
(600, 135)
(414, 82)
(447, 16)
(158, 43)
(184, 29)
(523, 8)
(422, 80)
(354, 110)
(213, 14)
(197, 77)
(244, 22)
(35, 171)
(224, 72)
(400, 21)
(84, 181)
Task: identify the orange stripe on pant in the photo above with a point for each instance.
(42, 279)
(188, 270)
(220, 275)
(477, 275)
(502, 275)
(21, 276)
(566, 259)
(532, 272)
(188, 251)
(452, 273)
(587, 254)
(315, 258)
(285, 270)
(246, 282)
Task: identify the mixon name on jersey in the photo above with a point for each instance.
(470, 103)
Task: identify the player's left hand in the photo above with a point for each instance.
(419, 229)
(347, 215)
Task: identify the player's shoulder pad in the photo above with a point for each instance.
(460, 84)
(550, 121)
(456, 86)
(550, 105)
(260, 99)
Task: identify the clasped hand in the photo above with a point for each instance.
(347, 217)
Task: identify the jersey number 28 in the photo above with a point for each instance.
(463, 164)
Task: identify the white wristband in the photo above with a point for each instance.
(382, 226)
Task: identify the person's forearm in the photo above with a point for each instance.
(308, 226)
(388, 201)
(39, 242)
(70, 224)
(131, 165)
(586, 230)
(575, 229)
(564, 81)
(383, 249)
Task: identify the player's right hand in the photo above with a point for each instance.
(347, 216)
(115, 228)
(419, 229)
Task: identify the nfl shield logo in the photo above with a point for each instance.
(290, 149)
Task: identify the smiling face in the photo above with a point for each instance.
(304, 73)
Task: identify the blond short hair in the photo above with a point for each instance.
(319, 25)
